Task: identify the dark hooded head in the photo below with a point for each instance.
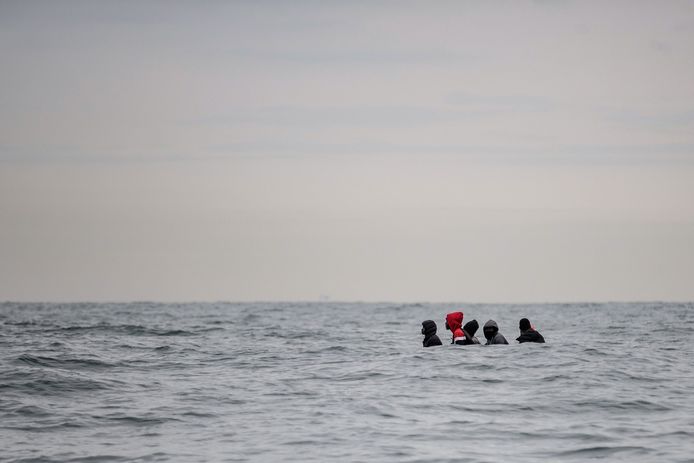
(471, 327)
(524, 324)
(428, 328)
(490, 329)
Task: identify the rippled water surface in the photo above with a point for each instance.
(348, 382)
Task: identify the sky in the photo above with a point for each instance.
(471, 151)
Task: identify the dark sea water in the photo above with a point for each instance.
(343, 382)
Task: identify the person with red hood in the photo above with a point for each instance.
(454, 322)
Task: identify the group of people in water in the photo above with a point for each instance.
(465, 334)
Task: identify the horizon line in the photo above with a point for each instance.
(336, 301)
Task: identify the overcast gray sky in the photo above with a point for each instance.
(408, 151)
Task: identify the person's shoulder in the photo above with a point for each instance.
(500, 339)
(530, 336)
(433, 341)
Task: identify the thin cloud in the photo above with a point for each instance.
(355, 116)
(504, 103)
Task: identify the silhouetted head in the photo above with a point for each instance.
(490, 329)
(428, 328)
(471, 327)
(524, 324)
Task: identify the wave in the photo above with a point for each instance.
(48, 382)
(154, 348)
(32, 411)
(602, 451)
(43, 386)
(67, 363)
(47, 428)
(327, 349)
(130, 330)
(140, 420)
(92, 459)
(632, 405)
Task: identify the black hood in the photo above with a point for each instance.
(524, 325)
(471, 327)
(490, 329)
(428, 328)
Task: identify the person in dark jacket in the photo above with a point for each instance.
(491, 332)
(528, 333)
(470, 329)
(429, 332)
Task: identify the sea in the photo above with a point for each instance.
(325, 381)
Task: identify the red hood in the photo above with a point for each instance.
(454, 320)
